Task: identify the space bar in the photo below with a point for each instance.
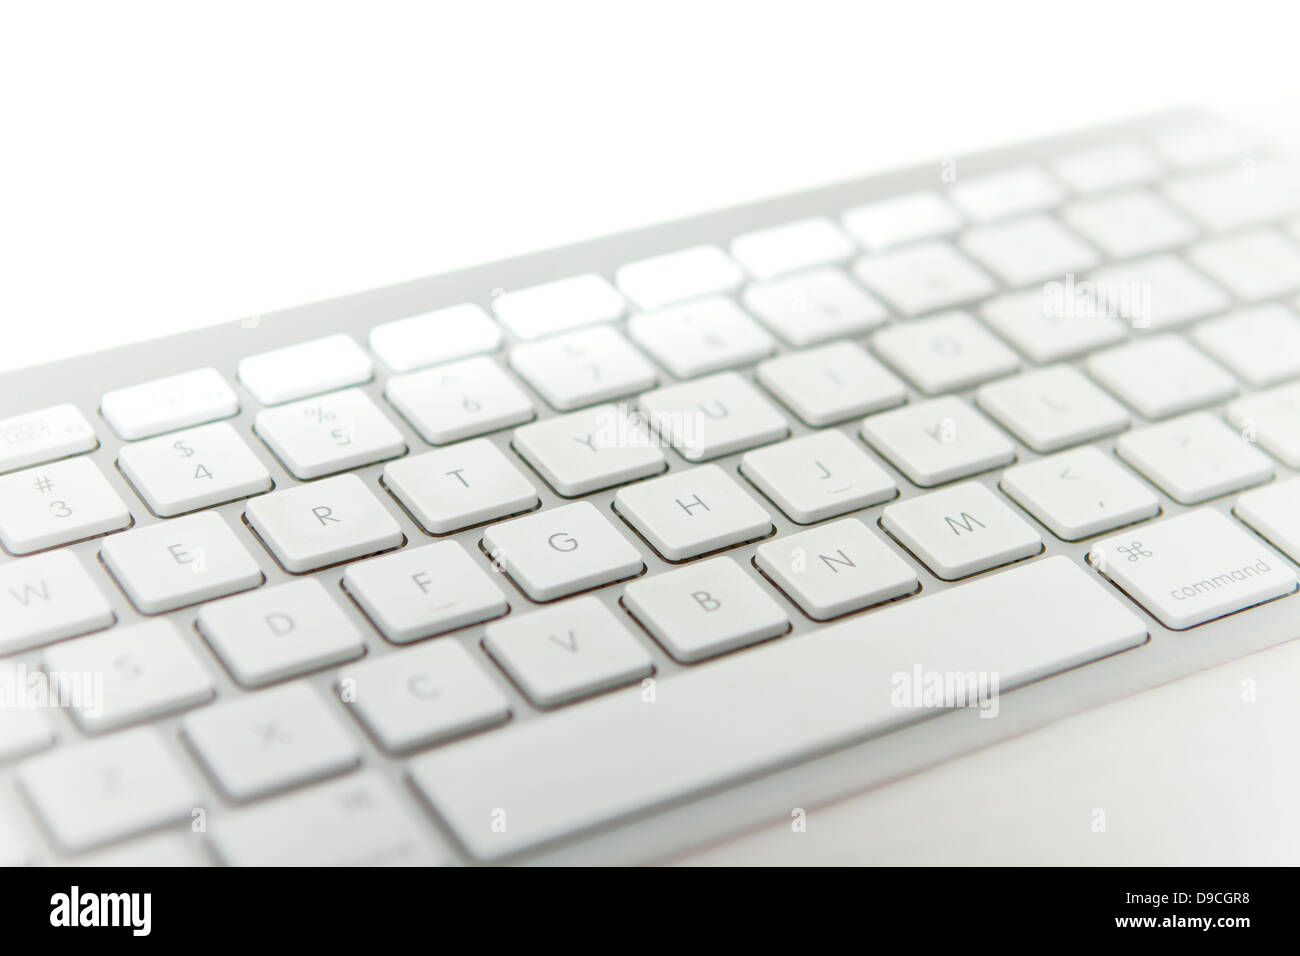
(509, 791)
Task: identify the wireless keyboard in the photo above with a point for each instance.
(602, 553)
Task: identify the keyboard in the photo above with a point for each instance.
(603, 553)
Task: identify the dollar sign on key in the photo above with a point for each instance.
(183, 448)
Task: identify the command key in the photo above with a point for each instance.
(1193, 568)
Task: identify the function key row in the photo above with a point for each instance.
(709, 335)
(1159, 377)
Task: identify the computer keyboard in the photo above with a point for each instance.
(603, 553)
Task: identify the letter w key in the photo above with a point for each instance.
(49, 597)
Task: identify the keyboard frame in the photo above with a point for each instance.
(716, 814)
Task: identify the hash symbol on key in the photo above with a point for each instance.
(1135, 551)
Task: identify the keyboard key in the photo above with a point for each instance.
(164, 405)
(1096, 169)
(558, 306)
(1007, 193)
(309, 368)
(279, 738)
(459, 486)
(329, 434)
(689, 513)
(423, 696)
(924, 278)
(831, 383)
(167, 849)
(1254, 265)
(36, 437)
(794, 698)
(1274, 512)
(352, 822)
(457, 401)
(791, 247)
(1271, 418)
(814, 307)
(93, 793)
(1052, 408)
(433, 338)
(900, 219)
(961, 530)
(1194, 458)
(47, 598)
(1260, 345)
(677, 276)
(1156, 293)
(13, 851)
(1080, 493)
(425, 591)
(1028, 250)
(147, 670)
(573, 650)
(562, 551)
(1130, 223)
(945, 352)
(193, 469)
(705, 336)
(56, 504)
(1160, 377)
(1053, 324)
(23, 729)
(1202, 143)
(585, 451)
(704, 609)
(1192, 568)
(1225, 199)
(818, 476)
(165, 566)
(332, 520)
(279, 632)
(835, 569)
(713, 416)
(938, 441)
(583, 367)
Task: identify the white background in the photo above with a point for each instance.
(169, 165)
(166, 165)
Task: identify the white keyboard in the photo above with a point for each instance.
(602, 553)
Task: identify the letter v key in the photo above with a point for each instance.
(570, 645)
